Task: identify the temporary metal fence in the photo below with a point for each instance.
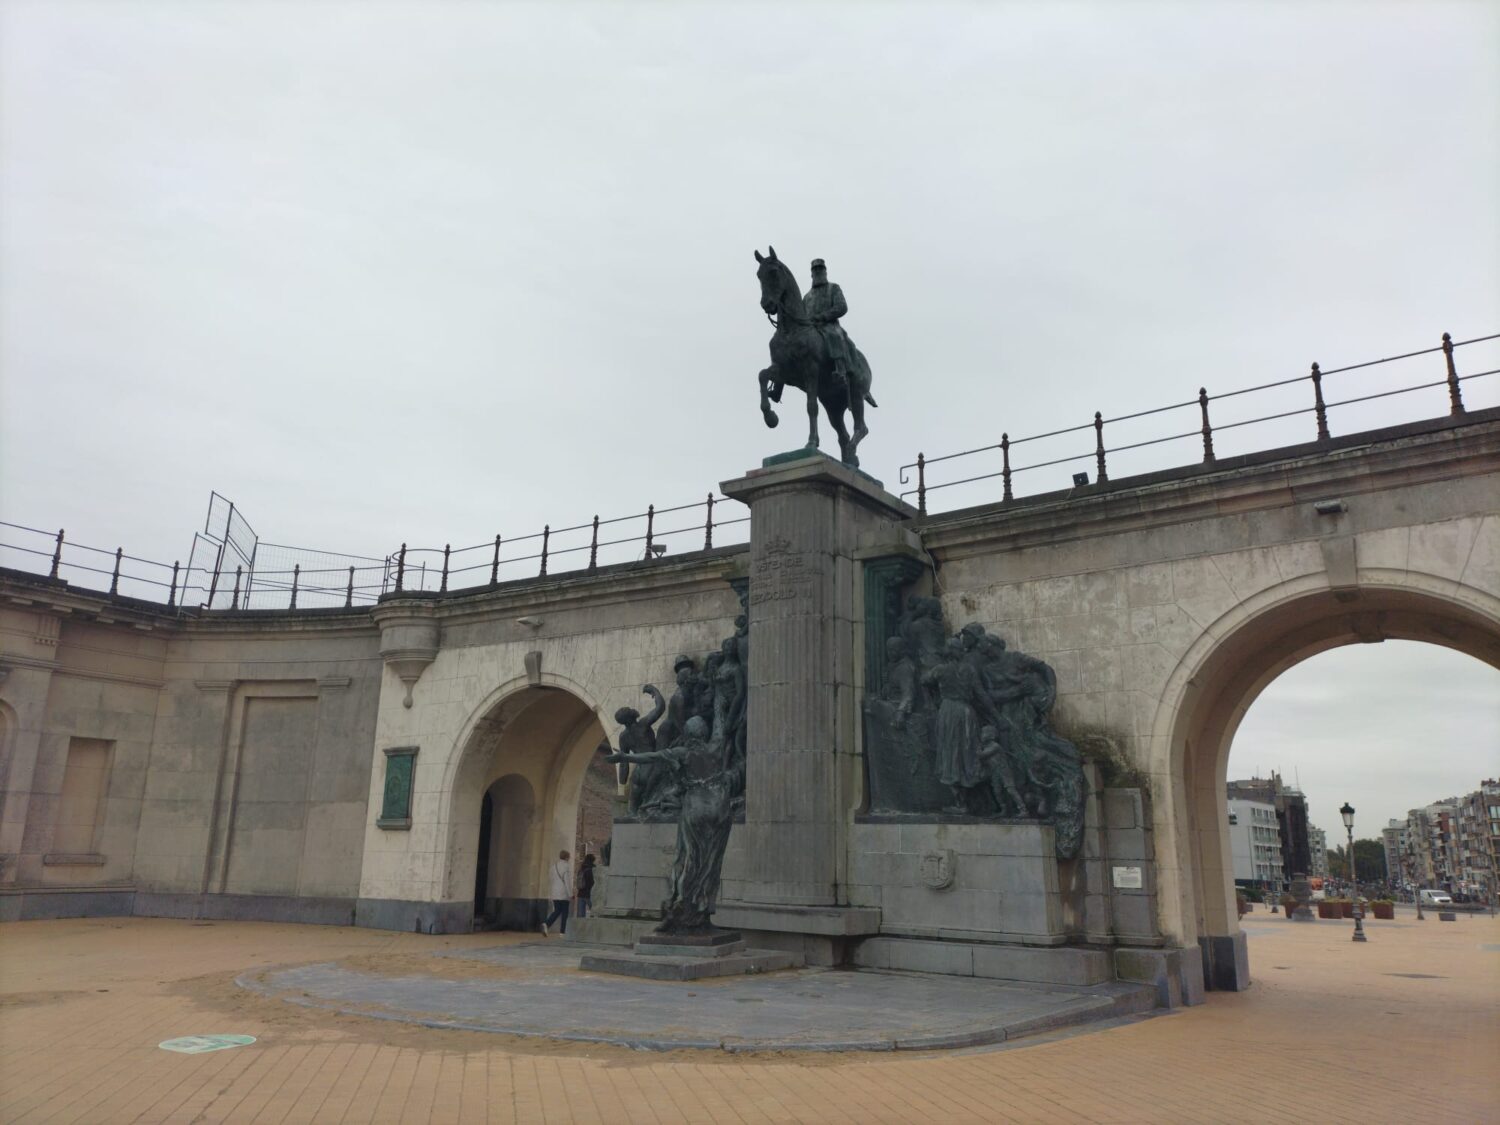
(1282, 399)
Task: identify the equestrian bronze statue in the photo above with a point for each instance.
(811, 351)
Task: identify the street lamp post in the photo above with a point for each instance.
(1416, 891)
(1347, 812)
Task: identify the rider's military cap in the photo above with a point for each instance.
(818, 264)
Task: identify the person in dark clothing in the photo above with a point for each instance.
(586, 885)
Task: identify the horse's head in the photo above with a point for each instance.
(774, 279)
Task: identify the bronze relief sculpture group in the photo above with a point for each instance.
(962, 728)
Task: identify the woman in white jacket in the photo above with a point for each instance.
(562, 894)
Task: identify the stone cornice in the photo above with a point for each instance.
(703, 571)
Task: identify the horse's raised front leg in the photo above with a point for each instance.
(767, 382)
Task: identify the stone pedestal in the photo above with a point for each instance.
(808, 518)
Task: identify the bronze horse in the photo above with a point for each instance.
(799, 358)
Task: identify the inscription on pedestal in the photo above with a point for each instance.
(781, 574)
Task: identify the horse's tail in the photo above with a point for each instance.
(871, 399)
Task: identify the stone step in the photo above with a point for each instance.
(836, 921)
(724, 944)
(656, 967)
(600, 930)
(1031, 964)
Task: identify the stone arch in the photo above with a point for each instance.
(514, 843)
(542, 734)
(8, 728)
(1213, 686)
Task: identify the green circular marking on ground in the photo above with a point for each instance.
(200, 1044)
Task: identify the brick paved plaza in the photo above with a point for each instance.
(1406, 1027)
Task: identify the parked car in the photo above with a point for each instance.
(1435, 898)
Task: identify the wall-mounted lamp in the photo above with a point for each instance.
(1330, 507)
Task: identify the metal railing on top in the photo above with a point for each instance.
(427, 568)
(178, 586)
(209, 587)
(1318, 407)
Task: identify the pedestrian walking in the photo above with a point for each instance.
(562, 894)
(586, 885)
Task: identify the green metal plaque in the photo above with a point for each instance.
(395, 808)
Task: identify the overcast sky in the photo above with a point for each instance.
(426, 273)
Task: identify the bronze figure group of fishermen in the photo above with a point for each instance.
(691, 769)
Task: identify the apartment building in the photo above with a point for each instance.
(1255, 843)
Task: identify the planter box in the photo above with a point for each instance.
(1329, 910)
(1348, 908)
(1385, 910)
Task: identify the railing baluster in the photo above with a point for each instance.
(1455, 394)
(401, 569)
(708, 525)
(296, 577)
(594, 546)
(1208, 430)
(1319, 407)
(1099, 446)
(114, 581)
(1007, 496)
(495, 564)
(56, 555)
(921, 484)
(172, 592)
(234, 598)
(546, 535)
(443, 585)
(349, 593)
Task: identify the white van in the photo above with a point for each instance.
(1435, 898)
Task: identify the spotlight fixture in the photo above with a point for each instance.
(1080, 480)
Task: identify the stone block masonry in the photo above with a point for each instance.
(808, 517)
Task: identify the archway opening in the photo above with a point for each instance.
(1389, 730)
(515, 803)
(1243, 661)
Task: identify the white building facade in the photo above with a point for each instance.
(1317, 843)
(1255, 843)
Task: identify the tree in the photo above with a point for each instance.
(1338, 866)
(1369, 861)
